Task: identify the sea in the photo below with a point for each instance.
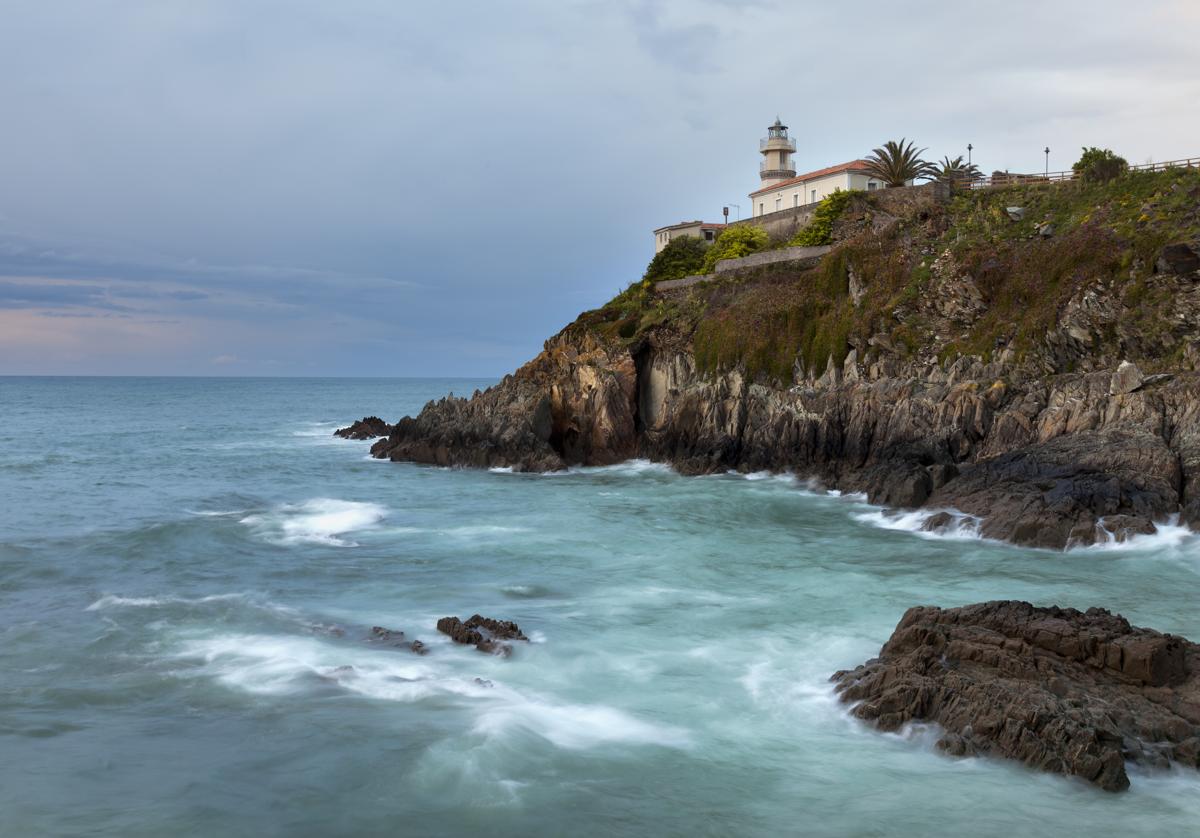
(190, 570)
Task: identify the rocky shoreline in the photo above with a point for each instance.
(1049, 462)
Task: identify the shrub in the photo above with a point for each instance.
(1099, 165)
(683, 256)
(820, 229)
(734, 243)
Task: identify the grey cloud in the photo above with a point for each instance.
(382, 188)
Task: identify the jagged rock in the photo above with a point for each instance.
(1179, 259)
(1045, 230)
(484, 633)
(1126, 379)
(418, 647)
(368, 427)
(1060, 690)
(1015, 213)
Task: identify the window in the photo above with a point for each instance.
(778, 203)
(760, 209)
(814, 196)
(708, 235)
(796, 199)
(871, 185)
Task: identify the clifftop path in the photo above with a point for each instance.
(1037, 369)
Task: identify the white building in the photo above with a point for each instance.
(783, 189)
(701, 229)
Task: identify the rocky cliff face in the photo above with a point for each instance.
(1042, 434)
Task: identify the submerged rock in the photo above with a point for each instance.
(390, 637)
(1076, 693)
(484, 633)
(368, 427)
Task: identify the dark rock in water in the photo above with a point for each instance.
(484, 633)
(938, 522)
(499, 629)
(379, 634)
(1076, 693)
(458, 632)
(390, 637)
(369, 427)
(483, 682)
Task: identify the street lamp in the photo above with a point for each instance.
(1047, 161)
(739, 209)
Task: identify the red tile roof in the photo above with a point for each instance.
(852, 166)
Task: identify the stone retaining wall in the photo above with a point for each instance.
(754, 260)
(770, 257)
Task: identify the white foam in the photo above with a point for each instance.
(114, 601)
(272, 665)
(573, 726)
(216, 513)
(628, 467)
(317, 521)
(1169, 536)
(501, 469)
(962, 526)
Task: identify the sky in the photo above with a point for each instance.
(385, 187)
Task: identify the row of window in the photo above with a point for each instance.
(871, 187)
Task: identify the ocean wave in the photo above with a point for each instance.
(282, 665)
(960, 527)
(573, 726)
(317, 521)
(1169, 537)
(114, 601)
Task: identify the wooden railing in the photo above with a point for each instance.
(1014, 178)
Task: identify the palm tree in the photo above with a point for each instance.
(955, 171)
(899, 162)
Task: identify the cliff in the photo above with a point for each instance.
(1034, 366)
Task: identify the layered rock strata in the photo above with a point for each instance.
(1075, 693)
(1044, 461)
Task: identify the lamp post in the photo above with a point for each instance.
(1047, 161)
(739, 213)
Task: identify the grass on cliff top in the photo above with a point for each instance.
(763, 319)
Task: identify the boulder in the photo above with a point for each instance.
(484, 633)
(1126, 379)
(1075, 693)
(1179, 259)
(369, 427)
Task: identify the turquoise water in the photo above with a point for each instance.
(187, 566)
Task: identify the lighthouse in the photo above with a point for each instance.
(777, 149)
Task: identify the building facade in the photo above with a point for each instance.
(780, 188)
(701, 229)
(811, 187)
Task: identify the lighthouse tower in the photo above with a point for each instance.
(776, 149)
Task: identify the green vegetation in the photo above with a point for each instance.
(683, 256)
(820, 229)
(907, 252)
(1099, 165)
(956, 171)
(734, 243)
(896, 163)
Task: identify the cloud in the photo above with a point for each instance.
(346, 189)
